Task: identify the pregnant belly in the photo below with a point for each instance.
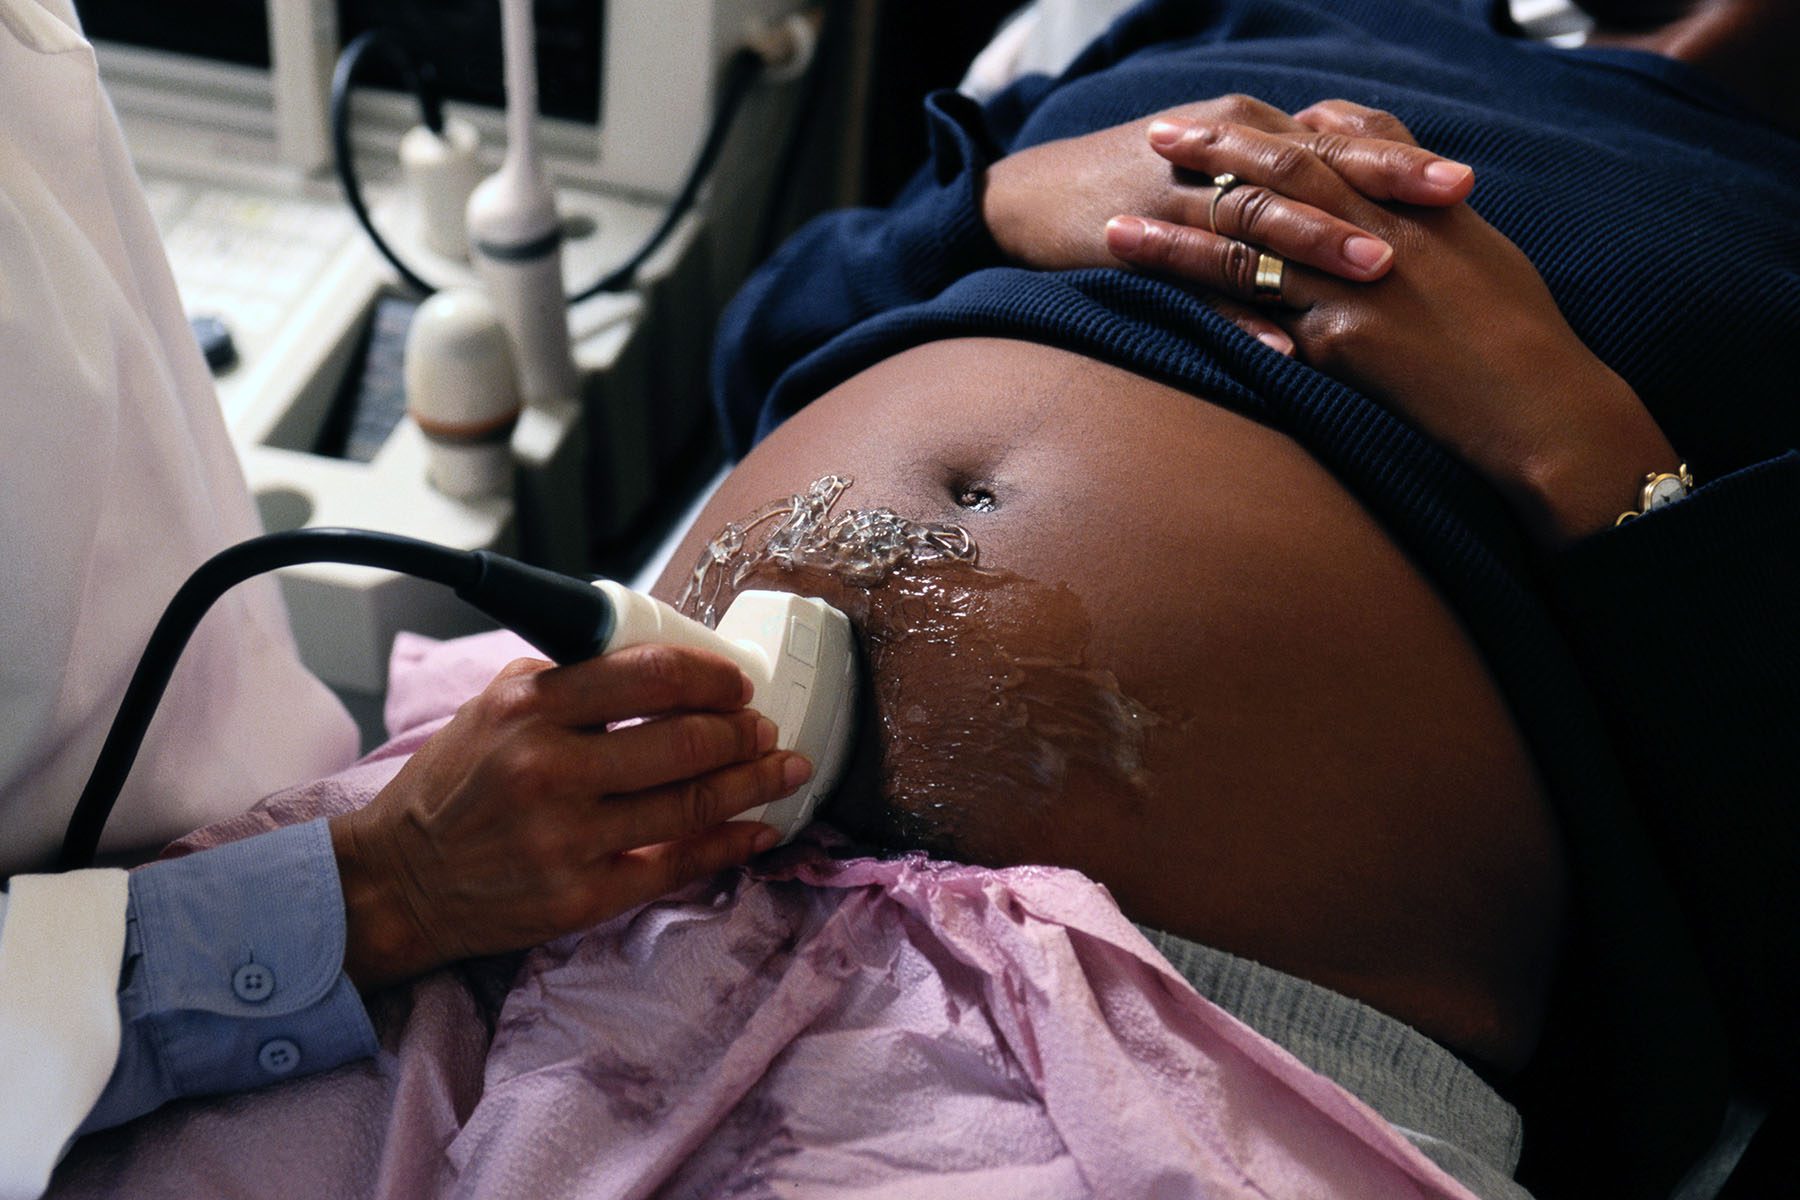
(1184, 662)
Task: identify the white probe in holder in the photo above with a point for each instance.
(515, 234)
(462, 393)
(442, 171)
(799, 653)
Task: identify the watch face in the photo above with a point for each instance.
(1664, 489)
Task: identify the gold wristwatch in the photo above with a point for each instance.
(1661, 488)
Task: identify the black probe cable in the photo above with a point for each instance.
(431, 111)
(566, 618)
(742, 71)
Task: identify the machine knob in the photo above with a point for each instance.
(214, 336)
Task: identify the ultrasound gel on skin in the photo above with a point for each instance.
(981, 679)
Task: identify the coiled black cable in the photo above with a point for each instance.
(742, 71)
(567, 618)
(423, 82)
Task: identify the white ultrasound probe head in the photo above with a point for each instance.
(798, 652)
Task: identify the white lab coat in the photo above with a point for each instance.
(118, 479)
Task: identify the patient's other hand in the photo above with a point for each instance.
(1048, 206)
(526, 818)
(1461, 335)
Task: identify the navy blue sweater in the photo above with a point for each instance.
(1651, 668)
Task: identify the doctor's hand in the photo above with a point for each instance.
(525, 818)
(1461, 335)
(1049, 206)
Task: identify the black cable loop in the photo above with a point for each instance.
(183, 615)
(741, 73)
(566, 618)
(431, 108)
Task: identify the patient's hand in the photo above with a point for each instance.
(1461, 335)
(1048, 206)
(526, 818)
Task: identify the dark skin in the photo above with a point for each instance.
(414, 902)
(1336, 788)
(1360, 813)
(1523, 401)
(1746, 46)
(1562, 437)
(526, 818)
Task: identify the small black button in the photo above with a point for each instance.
(215, 341)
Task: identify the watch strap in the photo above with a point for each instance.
(1660, 488)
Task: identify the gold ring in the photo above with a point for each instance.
(1271, 273)
(1221, 184)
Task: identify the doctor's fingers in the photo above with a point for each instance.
(641, 681)
(632, 849)
(587, 764)
(681, 810)
(638, 876)
(1330, 165)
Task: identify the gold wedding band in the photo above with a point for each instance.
(1221, 184)
(1271, 273)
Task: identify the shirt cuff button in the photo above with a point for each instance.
(253, 983)
(278, 1056)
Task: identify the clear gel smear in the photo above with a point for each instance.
(985, 697)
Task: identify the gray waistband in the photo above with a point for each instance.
(1413, 1082)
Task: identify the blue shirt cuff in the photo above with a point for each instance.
(233, 974)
